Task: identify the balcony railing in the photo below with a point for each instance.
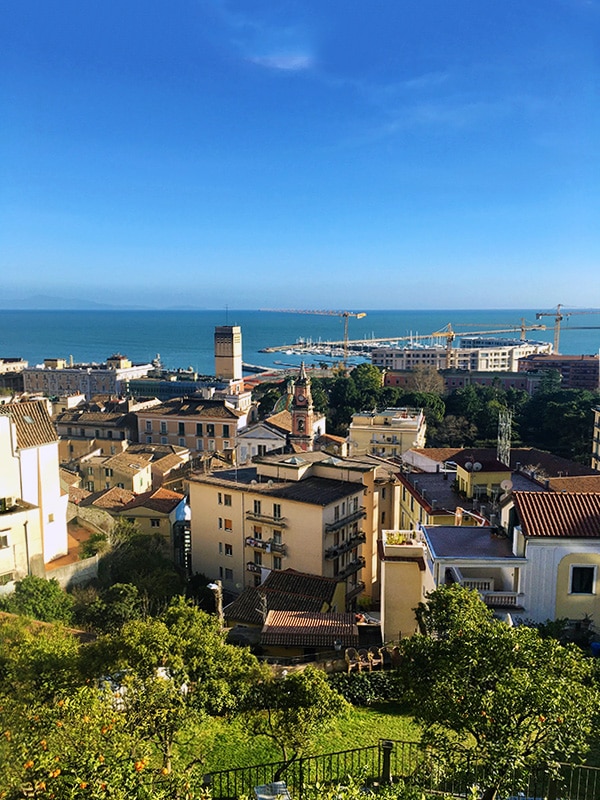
(252, 567)
(355, 591)
(267, 519)
(501, 599)
(354, 566)
(343, 547)
(268, 545)
(340, 523)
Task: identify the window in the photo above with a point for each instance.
(226, 433)
(210, 430)
(90, 486)
(69, 431)
(258, 558)
(199, 429)
(226, 499)
(112, 449)
(149, 425)
(181, 428)
(163, 427)
(257, 506)
(277, 510)
(199, 445)
(120, 485)
(257, 531)
(220, 523)
(97, 433)
(164, 440)
(276, 537)
(220, 548)
(211, 445)
(90, 470)
(228, 549)
(219, 498)
(181, 441)
(108, 473)
(228, 524)
(583, 580)
(228, 574)
(276, 562)
(257, 580)
(148, 440)
(262, 449)
(382, 517)
(109, 435)
(3, 541)
(226, 445)
(131, 519)
(336, 513)
(155, 522)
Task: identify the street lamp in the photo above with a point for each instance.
(217, 589)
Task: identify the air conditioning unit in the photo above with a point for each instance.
(6, 503)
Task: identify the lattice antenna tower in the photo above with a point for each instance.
(504, 436)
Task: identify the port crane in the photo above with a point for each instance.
(559, 316)
(450, 334)
(326, 312)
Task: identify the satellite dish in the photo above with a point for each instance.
(252, 483)
(269, 483)
(506, 485)
(469, 466)
(477, 466)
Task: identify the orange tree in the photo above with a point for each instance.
(506, 697)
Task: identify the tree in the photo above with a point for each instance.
(293, 710)
(509, 698)
(426, 379)
(40, 599)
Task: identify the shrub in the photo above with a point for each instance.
(366, 688)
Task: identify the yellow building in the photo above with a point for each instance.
(596, 440)
(123, 471)
(311, 512)
(405, 581)
(387, 433)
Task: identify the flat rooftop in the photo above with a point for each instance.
(451, 541)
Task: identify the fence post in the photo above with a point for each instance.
(386, 768)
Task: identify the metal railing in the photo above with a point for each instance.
(392, 761)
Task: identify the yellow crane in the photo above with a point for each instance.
(559, 316)
(450, 334)
(326, 312)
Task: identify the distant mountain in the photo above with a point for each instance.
(42, 302)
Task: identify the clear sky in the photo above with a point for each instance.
(337, 154)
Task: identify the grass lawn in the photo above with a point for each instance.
(225, 745)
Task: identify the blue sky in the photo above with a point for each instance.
(305, 154)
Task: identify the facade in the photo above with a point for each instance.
(457, 379)
(199, 425)
(474, 354)
(56, 378)
(122, 471)
(387, 433)
(228, 352)
(30, 451)
(596, 440)
(11, 374)
(405, 581)
(309, 512)
(577, 372)
(82, 432)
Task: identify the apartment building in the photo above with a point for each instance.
(474, 354)
(122, 471)
(200, 425)
(309, 512)
(387, 433)
(596, 440)
(56, 377)
(576, 371)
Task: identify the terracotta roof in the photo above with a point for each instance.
(189, 407)
(114, 499)
(113, 419)
(309, 629)
(163, 501)
(158, 451)
(282, 420)
(559, 514)
(69, 478)
(76, 494)
(33, 423)
(284, 590)
(576, 483)
(167, 463)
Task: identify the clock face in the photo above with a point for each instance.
(300, 398)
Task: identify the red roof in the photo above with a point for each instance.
(309, 629)
(559, 514)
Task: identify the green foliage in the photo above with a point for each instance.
(96, 543)
(111, 608)
(293, 710)
(518, 700)
(143, 560)
(366, 688)
(37, 661)
(40, 599)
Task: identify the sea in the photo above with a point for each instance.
(184, 339)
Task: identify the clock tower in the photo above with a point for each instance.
(302, 412)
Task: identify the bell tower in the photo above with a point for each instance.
(302, 412)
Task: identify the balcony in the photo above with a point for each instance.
(501, 599)
(343, 521)
(252, 567)
(268, 545)
(354, 566)
(267, 519)
(343, 547)
(355, 591)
